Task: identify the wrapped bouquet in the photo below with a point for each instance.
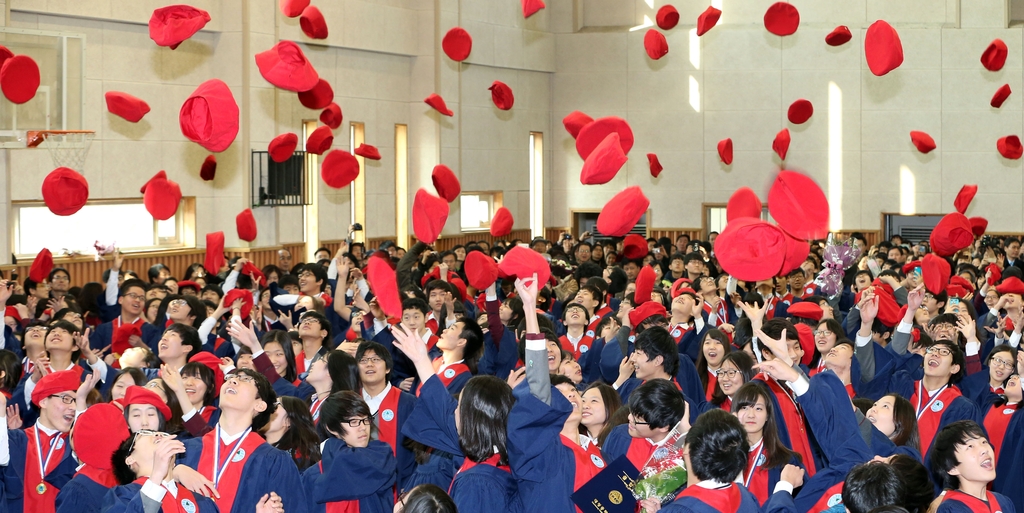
(664, 473)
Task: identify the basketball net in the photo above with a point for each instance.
(67, 149)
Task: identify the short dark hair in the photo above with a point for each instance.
(379, 350)
(718, 446)
(189, 337)
(415, 303)
(56, 270)
(130, 284)
(570, 306)
(428, 498)
(958, 359)
(483, 414)
(918, 484)
(871, 485)
(319, 273)
(211, 287)
(123, 473)
(659, 403)
(944, 449)
(11, 365)
(656, 341)
(264, 392)
(324, 325)
(154, 271)
(287, 279)
(339, 408)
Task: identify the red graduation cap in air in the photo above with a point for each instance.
(622, 212)
(1000, 96)
(922, 141)
(170, 26)
(209, 168)
(1010, 147)
(429, 214)
(312, 23)
(799, 206)
(882, 48)
(129, 107)
(214, 258)
(743, 203)
(481, 269)
(320, 140)
(655, 164)
(367, 152)
(964, 197)
(839, 36)
(501, 95)
(209, 117)
(634, 247)
(457, 44)
(523, 262)
(994, 56)
(501, 224)
(707, 20)
(293, 8)
(245, 224)
(530, 7)
(339, 169)
(331, 116)
(800, 111)
(592, 134)
(725, 151)
(782, 19)
(435, 101)
(162, 197)
(319, 97)
(935, 272)
(781, 143)
(604, 162)
(19, 78)
(752, 249)
(667, 17)
(446, 183)
(951, 234)
(282, 147)
(655, 44)
(65, 191)
(384, 282)
(575, 121)
(42, 264)
(285, 66)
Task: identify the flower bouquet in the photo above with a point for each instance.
(664, 473)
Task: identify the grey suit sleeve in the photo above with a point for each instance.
(537, 372)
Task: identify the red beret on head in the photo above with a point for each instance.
(65, 191)
(1010, 147)
(367, 152)
(189, 284)
(319, 97)
(209, 117)
(99, 431)
(19, 78)
(680, 287)
(888, 310)
(501, 95)
(429, 214)
(978, 225)
(796, 253)
(530, 7)
(645, 311)
(236, 294)
(142, 395)
(781, 143)
(995, 273)
(800, 111)
(481, 270)
(622, 212)
(292, 8)
(910, 266)
(41, 267)
(245, 223)
(604, 162)
(951, 234)
(384, 284)
(644, 285)
(922, 141)
(312, 23)
(743, 203)
(935, 272)
(214, 259)
(805, 334)
(435, 101)
(285, 66)
(781, 19)
(457, 44)
(964, 197)
(882, 48)
(575, 122)
(213, 363)
(725, 151)
(12, 312)
(634, 247)
(282, 147)
(805, 309)
(707, 20)
(1001, 95)
(839, 36)
(501, 224)
(667, 17)
(655, 44)
(339, 169)
(655, 165)
(994, 56)
(446, 183)
(962, 282)
(250, 269)
(55, 383)
(320, 140)
(170, 26)
(1011, 285)
(331, 116)
(162, 198)
(523, 262)
(125, 105)
(209, 168)
(799, 206)
(591, 135)
(751, 249)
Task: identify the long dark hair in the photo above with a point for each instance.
(285, 341)
(612, 403)
(11, 365)
(300, 440)
(344, 371)
(88, 298)
(427, 498)
(904, 421)
(744, 363)
(702, 363)
(833, 326)
(204, 373)
(339, 408)
(776, 454)
(138, 378)
(516, 305)
(483, 415)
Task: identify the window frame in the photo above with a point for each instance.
(496, 201)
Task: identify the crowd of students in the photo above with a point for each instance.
(301, 388)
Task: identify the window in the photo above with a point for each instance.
(715, 217)
(402, 185)
(537, 184)
(477, 209)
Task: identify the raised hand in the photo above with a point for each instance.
(194, 481)
(777, 370)
(778, 347)
(527, 289)
(13, 416)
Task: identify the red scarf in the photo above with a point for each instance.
(976, 505)
(769, 312)
(34, 482)
(794, 418)
(640, 449)
(185, 502)
(831, 497)
(468, 464)
(930, 409)
(581, 347)
(678, 331)
(232, 476)
(207, 412)
(996, 421)
(596, 319)
(718, 499)
(588, 462)
(387, 419)
(712, 382)
(451, 372)
(339, 506)
(755, 477)
(314, 409)
(104, 477)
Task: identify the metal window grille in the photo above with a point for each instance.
(279, 184)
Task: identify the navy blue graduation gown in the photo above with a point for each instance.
(949, 505)
(104, 333)
(128, 499)
(1010, 466)
(403, 367)
(406, 457)
(439, 470)
(694, 504)
(543, 467)
(14, 472)
(611, 356)
(499, 359)
(81, 495)
(346, 473)
(976, 388)
(590, 361)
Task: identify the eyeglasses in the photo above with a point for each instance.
(178, 302)
(36, 329)
(365, 421)
(309, 320)
(305, 274)
(822, 333)
(371, 360)
(60, 277)
(145, 432)
(633, 421)
(136, 297)
(243, 378)
(728, 373)
(1002, 363)
(941, 351)
(64, 398)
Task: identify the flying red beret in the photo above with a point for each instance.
(189, 284)
(994, 57)
(160, 175)
(523, 262)
(5, 53)
(634, 247)
(707, 20)
(796, 253)
(55, 383)
(435, 101)
(481, 270)
(293, 8)
(446, 183)
(285, 66)
(1011, 285)
(646, 311)
(214, 259)
(501, 224)
(142, 395)
(922, 141)
(170, 26)
(799, 206)
(997, 273)
(781, 143)
(743, 203)
(384, 284)
(667, 17)
(250, 269)
(575, 122)
(910, 266)
(319, 97)
(65, 191)
(839, 36)
(800, 111)
(751, 249)
(622, 212)
(367, 152)
(644, 285)
(125, 105)
(501, 95)
(209, 117)
(978, 225)
(655, 44)
(1010, 147)
(245, 223)
(951, 234)
(964, 197)
(725, 151)
(962, 282)
(882, 48)
(162, 198)
(530, 7)
(429, 214)
(781, 19)
(19, 78)
(320, 140)
(888, 310)
(99, 431)
(312, 23)
(119, 340)
(591, 135)
(209, 168)
(1001, 95)
(42, 264)
(246, 297)
(935, 272)
(331, 116)
(604, 162)
(655, 164)
(457, 44)
(282, 147)
(805, 309)
(213, 363)
(339, 169)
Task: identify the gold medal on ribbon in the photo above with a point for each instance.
(41, 488)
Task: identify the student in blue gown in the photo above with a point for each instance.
(390, 407)
(963, 458)
(501, 348)
(425, 498)
(985, 386)
(654, 410)
(97, 434)
(768, 457)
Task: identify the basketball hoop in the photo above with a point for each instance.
(68, 148)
